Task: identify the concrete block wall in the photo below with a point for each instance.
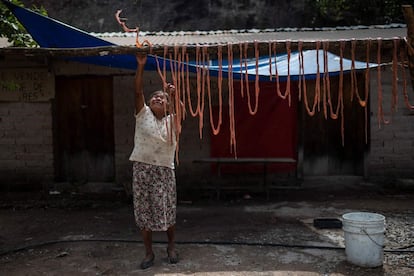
(392, 145)
(26, 145)
(123, 127)
(191, 147)
(26, 138)
(391, 153)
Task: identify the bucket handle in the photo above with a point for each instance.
(366, 233)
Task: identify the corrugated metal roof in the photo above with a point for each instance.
(264, 35)
(239, 36)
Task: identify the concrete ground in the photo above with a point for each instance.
(238, 235)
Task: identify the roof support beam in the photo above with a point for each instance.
(387, 48)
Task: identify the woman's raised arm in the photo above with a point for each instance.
(139, 83)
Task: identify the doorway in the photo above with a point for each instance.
(84, 129)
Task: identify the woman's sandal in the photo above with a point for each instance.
(147, 263)
(172, 257)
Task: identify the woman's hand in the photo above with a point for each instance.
(141, 58)
(170, 89)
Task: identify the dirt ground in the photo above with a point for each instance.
(95, 235)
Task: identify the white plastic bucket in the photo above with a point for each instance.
(364, 238)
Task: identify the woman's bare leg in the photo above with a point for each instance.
(147, 238)
(148, 261)
(172, 254)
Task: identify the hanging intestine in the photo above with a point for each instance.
(380, 114)
(256, 83)
(323, 98)
(232, 123)
(325, 81)
(216, 129)
(404, 74)
(310, 111)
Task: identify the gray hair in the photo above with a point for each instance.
(167, 96)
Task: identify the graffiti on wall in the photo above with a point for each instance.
(26, 85)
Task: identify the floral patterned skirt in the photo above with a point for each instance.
(155, 197)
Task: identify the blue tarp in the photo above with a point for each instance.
(51, 33)
(291, 66)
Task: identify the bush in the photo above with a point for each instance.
(11, 28)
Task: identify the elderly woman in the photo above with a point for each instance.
(153, 185)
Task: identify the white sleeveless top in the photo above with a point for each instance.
(154, 142)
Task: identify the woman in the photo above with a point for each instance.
(153, 185)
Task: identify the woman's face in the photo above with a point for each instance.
(159, 102)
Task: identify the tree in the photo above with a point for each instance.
(11, 28)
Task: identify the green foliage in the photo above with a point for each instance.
(11, 28)
(323, 13)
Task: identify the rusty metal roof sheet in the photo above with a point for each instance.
(262, 35)
(239, 36)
